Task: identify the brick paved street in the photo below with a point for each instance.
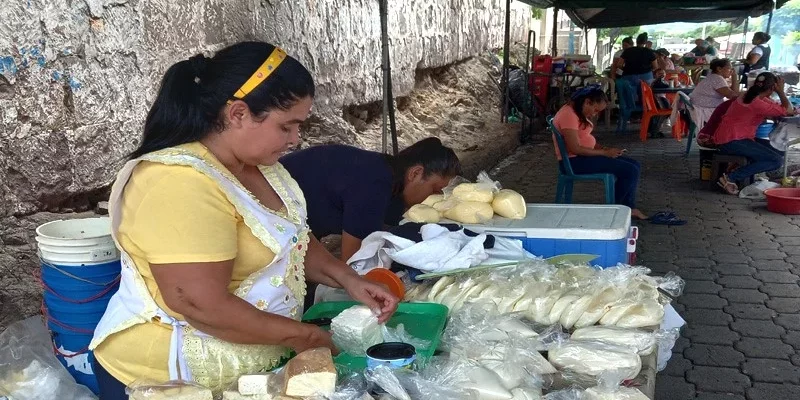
(741, 264)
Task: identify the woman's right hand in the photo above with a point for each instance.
(780, 84)
(315, 337)
(612, 152)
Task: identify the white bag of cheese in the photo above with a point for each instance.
(173, 390)
(510, 204)
(470, 212)
(596, 358)
(421, 213)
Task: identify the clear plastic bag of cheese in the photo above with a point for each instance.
(470, 202)
(30, 371)
(174, 390)
(610, 387)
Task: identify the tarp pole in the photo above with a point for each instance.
(388, 101)
(506, 62)
(555, 32)
(586, 39)
(769, 20)
(744, 37)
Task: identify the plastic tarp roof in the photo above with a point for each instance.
(621, 13)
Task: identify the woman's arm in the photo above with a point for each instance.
(728, 92)
(350, 245)
(322, 267)
(752, 58)
(199, 291)
(574, 146)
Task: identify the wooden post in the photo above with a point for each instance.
(555, 32)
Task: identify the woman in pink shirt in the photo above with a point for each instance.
(737, 131)
(586, 156)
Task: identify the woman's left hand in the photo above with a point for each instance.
(382, 302)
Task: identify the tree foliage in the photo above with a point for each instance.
(715, 31)
(784, 20)
(616, 34)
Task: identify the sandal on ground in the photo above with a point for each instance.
(728, 186)
(666, 218)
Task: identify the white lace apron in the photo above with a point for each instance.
(278, 288)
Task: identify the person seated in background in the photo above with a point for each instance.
(713, 90)
(737, 131)
(354, 192)
(639, 64)
(660, 82)
(700, 49)
(664, 62)
(574, 123)
(711, 49)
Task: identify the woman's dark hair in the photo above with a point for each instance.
(431, 154)
(765, 82)
(641, 39)
(762, 37)
(719, 64)
(193, 93)
(594, 95)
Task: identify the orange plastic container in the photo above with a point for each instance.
(389, 279)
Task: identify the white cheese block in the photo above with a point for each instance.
(421, 213)
(253, 384)
(473, 192)
(644, 342)
(510, 204)
(310, 373)
(593, 359)
(355, 330)
(470, 212)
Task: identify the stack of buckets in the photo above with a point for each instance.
(80, 272)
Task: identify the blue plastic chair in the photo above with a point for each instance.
(567, 177)
(627, 103)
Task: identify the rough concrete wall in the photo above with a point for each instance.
(76, 77)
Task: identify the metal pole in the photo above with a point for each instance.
(382, 6)
(555, 32)
(586, 39)
(506, 62)
(744, 37)
(769, 20)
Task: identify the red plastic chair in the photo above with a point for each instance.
(649, 110)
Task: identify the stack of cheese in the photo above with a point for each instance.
(574, 296)
(470, 203)
(311, 374)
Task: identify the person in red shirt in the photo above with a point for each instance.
(737, 131)
(588, 157)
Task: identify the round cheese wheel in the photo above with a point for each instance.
(510, 204)
(473, 192)
(421, 213)
(470, 212)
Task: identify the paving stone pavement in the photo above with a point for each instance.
(741, 264)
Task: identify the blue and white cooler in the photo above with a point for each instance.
(556, 229)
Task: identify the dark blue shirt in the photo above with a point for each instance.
(346, 189)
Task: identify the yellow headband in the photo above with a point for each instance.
(268, 67)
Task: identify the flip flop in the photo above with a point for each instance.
(666, 218)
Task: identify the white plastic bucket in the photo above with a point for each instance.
(77, 242)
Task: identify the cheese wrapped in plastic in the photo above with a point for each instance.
(594, 359)
(433, 199)
(355, 330)
(486, 384)
(470, 212)
(621, 393)
(526, 394)
(421, 213)
(644, 342)
(510, 204)
(171, 390)
(310, 373)
(473, 192)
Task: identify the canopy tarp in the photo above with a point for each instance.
(621, 13)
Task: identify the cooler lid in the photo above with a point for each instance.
(563, 221)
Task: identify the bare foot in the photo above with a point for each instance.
(638, 214)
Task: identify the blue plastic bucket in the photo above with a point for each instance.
(80, 273)
(764, 130)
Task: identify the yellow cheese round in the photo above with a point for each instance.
(421, 213)
(510, 204)
(470, 212)
(473, 192)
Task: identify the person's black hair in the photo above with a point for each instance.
(595, 95)
(628, 40)
(194, 92)
(719, 64)
(641, 39)
(765, 82)
(434, 157)
(763, 37)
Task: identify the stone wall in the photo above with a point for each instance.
(76, 77)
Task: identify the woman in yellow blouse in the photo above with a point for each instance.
(215, 246)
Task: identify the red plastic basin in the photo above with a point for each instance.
(783, 200)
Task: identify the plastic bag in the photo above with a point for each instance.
(609, 388)
(399, 334)
(643, 341)
(593, 358)
(177, 390)
(566, 394)
(477, 191)
(28, 368)
(755, 191)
